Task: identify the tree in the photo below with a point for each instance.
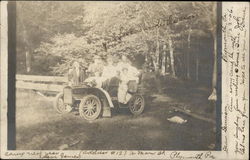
(208, 11)
(39, 21)
(161, 33)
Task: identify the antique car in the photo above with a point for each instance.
(92, 102)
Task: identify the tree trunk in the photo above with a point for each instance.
(28, 61)
(155, 66)
(213, 96)
(163, 63)
(28, 54)
(157, 48)
(197, 67)
(146, 58)
(188, 55)
(104, 44)
(168, 64)
(26, 47)
(171, 56)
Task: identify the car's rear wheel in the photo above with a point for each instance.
(136, 104)
(60, 106)
(90, 107)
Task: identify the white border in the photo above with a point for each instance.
(4, 75)
(228, 138)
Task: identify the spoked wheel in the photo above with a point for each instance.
(136, 104)
(90, 107)
(60, 106)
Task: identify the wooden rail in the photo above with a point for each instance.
(33, 78)
(43, 83)
(39, 86)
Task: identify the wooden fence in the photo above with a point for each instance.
(43, 83)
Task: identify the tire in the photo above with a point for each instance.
(59, 106)
(93, 110)
(136, 104)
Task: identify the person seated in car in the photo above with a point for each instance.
(110, 73)
(123, 95)
(95, 71)
(110, 70)
(96, 80)
(129, 77)
(97, 66)
(132, 71)
(125, 62)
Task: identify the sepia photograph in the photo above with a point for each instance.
(116, 76)
(124, 80)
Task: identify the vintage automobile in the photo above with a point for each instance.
(91, 102)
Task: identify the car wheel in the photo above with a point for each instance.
(90, 107)
(136, 104)
(60, 106)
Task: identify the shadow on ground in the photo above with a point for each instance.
(39, 127)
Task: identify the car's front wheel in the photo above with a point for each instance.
(90, 107)
(60, 106)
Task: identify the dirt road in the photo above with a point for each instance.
(40, 127)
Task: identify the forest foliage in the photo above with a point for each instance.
(165, 37)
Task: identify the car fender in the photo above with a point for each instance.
(79, 92)
(111, 105)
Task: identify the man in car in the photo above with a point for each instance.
(110, 74)
(97, 67)
(110, 70)
(95, 73)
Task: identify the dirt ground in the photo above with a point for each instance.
(40, 127)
